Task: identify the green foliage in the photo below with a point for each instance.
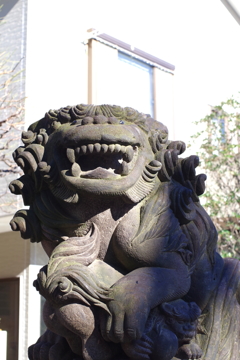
(219, 136)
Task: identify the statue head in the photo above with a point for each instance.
(85, 152)
(182, 318)
(88, 149)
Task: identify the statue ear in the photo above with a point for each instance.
(167, 308)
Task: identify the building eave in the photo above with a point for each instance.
(129, 49)
(233, 7)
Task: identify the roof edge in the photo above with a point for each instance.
(130, 49)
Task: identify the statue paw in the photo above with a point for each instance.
(51, 346)
(189, 351)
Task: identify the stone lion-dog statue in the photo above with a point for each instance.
(133, 270)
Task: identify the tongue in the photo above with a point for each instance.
(99, 173)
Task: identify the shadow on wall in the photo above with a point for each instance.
(6, 6)
(16, 255)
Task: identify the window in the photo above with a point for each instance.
(119, 74)
(135, 84)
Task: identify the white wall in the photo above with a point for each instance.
(14, 254)
(56, 66)
(103, 62)
(164, 95)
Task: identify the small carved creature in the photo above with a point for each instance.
(169, 331)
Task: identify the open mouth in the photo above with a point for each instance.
(101, 161)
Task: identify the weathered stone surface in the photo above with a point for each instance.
(133, 270)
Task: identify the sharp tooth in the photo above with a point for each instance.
(123, 149)
(125, 169)
(111, 148)
(104, 148)
(84, 149)
(77, 153)
(128, 156)
(122, 169)
(97, 147)
(75, 170)
(117, 148)
(70, 155)
(90, 147)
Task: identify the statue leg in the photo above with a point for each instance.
(165, 345)
(52, 346)
(78, 324)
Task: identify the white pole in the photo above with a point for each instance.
(3, 345)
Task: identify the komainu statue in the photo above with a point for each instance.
(133, 270)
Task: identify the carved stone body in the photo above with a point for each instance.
(117, 211)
